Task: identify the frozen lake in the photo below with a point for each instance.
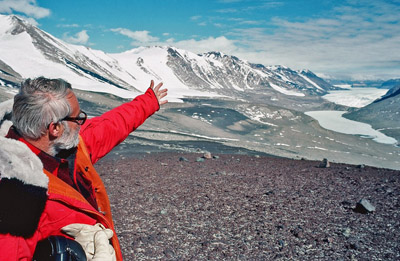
(333, 120)
(355, 97)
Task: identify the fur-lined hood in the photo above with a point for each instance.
(16, 159)
(5, 116)
(23, 185)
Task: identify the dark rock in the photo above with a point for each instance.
(220, 173)
(346, 204)
(169, 253)
(324, 164)
(364, 207)
(353, 245)
(280, 227)
(270, 192)
(183, 159)
(199, 159)
(297, 232)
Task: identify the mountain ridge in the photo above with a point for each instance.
(187, 74)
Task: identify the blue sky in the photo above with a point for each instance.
(357, 39)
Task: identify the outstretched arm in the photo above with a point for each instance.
(101, 134)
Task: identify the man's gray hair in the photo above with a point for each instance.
(40, 102)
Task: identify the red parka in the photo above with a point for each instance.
(64, 205)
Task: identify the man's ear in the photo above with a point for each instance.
(55, 129)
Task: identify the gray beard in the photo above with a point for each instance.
(68, 140)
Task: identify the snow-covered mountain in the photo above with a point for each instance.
(26, 51)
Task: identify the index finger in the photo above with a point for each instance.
(157, 88)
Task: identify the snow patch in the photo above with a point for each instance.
(311, 82)
(285, 91)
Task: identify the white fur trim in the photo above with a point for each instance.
(6, 107)
(5, 127)
(18, 161)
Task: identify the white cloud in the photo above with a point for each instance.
(227, 11)
(219, 25)
(197, 46)
(27, 7)
(359, 40)
(68, 25)
(250, 22)
(79, 38)
(29, 19)
(196, 17)
(221, 43)
(138, 37)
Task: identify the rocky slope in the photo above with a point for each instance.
(169, 206)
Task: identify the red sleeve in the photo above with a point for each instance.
(101, 134)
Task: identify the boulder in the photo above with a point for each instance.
(207, 155)
(364, 207)
(324, 163)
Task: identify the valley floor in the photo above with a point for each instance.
(172, 206)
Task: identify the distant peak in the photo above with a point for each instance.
(18, 24)
(306, 72)
(18, 20)
(215, 54)
(173, 52)
(15, 17)
(219, 55)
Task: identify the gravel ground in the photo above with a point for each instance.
(169, 206)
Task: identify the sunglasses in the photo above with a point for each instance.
(79, 120)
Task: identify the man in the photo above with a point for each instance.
(61, 194)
